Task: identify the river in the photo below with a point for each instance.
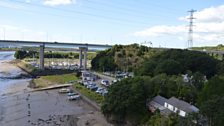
(8, 72)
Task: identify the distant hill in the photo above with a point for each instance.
(219, 47)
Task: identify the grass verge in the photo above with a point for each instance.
(45, 81)
(90, 94)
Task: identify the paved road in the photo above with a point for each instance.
(104, 76)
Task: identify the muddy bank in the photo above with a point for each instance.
(21, 107)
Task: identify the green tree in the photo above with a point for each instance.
(126, 101)
(170, 67)
(20, 54)
(211, 101)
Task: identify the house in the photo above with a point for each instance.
(181, 107)
(157, 103)
(167, 106)
(185, 78)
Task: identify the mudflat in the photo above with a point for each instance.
(20, 106)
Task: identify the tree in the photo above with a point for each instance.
(125, 101)
(211, 101)
(198, 80)
(170, 67)
(147, 69)
(174, 62)
(20, 54)
(213, 110)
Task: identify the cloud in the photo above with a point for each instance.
(212, 14)
(209, 27)
(12, 32)
(161, 30)
(58, 2)
(28, 1)
(10, 5)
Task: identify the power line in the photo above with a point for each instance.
(77, 12)
(138, 11)
(190, 31)
(145, 4)
(123, 10)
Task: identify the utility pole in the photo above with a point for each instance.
(190, 31)
(147, 42)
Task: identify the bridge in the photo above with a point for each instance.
(83, 48)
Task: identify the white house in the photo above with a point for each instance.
(180, 107)
(167, 106)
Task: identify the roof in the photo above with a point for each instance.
(160, 100)
(182, 105)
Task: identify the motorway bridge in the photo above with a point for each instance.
(83, 48)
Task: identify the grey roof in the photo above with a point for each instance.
(182, 105)
(160, 100)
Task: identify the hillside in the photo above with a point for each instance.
(122, 57)
(159, 72)
(219, 47)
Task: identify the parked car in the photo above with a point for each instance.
(93, 87)
(91, 84)
(74, 97)
(100, 90)
(86, 83)
(72, 93)
(64, 90)
(105, 82)
(104, 92)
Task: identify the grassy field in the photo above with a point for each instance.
(45, 81)
(90, 94)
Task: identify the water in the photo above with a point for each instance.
(7, 71)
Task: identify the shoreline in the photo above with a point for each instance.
(77, 113)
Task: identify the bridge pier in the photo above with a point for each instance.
(41, 57)
(81, 65)
(85, 58)
(80, 58)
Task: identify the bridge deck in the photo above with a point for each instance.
(53, 44)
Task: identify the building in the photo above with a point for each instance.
(158, 103)
(181, 107)
(167, 106)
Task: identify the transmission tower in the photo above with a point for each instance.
(147, 42)
(190, 32)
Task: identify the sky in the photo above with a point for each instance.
(164, 23)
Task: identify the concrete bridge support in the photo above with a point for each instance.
(81, 65)
(85, 59)
(80, 58)
(41, 57)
